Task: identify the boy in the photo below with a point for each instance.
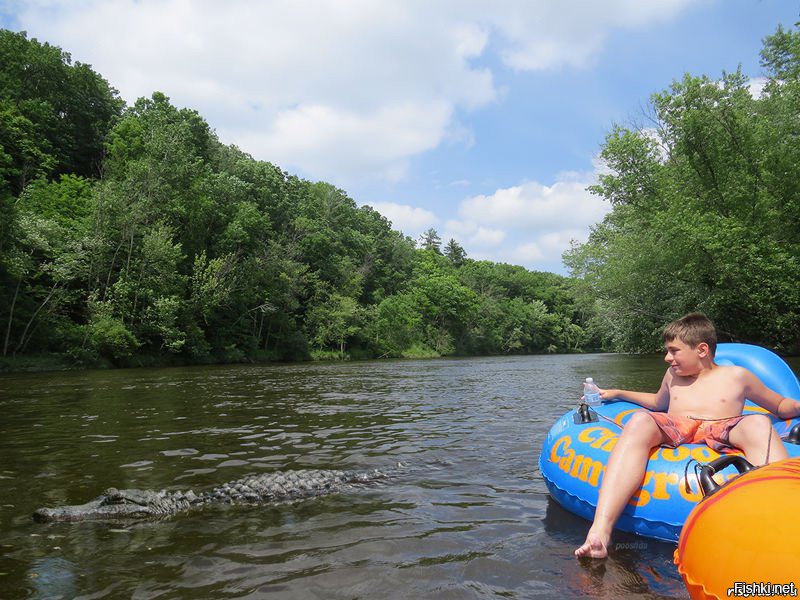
(703, 403)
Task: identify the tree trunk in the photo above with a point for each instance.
(269, 331)
(136, 294)
(111, 270)
(22, 342)
(130, 253)
(260, 328)
(11, 317)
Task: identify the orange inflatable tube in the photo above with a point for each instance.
(744, 540)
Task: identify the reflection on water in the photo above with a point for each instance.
(469, 517)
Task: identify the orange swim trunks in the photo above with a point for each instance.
(687, 430)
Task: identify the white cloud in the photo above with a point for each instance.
(337, 89)
(548, 247)
(537, 207)
(532, 224)
(408, 219)
(547, 35)
(473, 234)
(331, 143)
(756, 86)
(460, 183)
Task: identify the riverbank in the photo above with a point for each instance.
(62, 362)
(35, 364)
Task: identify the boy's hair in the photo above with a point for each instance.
(693, 329)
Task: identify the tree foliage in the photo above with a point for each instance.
(54, 115)
(705, 211)
(134, 235)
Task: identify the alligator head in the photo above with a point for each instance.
(118, 504)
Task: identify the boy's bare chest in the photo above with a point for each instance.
(706, 397)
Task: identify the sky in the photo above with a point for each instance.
(481, 119)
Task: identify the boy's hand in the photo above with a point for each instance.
(605, 394)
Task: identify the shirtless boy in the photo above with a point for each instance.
(698, 402)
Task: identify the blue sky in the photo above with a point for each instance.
(482, 119)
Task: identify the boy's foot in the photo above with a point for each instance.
(593, 547)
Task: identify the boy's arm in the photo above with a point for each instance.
(754, 390)
(658, 401)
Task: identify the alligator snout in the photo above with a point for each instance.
(45, 515)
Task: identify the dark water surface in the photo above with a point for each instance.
(467, 517)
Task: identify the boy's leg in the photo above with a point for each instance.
(622, 477)
(754, 435)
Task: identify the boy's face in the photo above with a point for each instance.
(685, 360)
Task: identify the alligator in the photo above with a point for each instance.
(274, 488)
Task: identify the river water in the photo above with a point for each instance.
(466, 515)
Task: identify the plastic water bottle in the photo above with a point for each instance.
(591, 393)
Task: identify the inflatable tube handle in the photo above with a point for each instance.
(584, 414)
(706, 480)
(794, 435)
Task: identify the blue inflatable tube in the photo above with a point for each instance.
(574, 454)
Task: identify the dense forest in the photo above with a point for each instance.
(131, 235)
(706, 211)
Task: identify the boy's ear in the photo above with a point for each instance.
(703, 350)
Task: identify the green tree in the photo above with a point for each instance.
(705, 212)
(135, 235)
(781, 54)
(455, 252)
(334, 321)
(54, 115)
(398, 325)
(430, 240)
(46, 265)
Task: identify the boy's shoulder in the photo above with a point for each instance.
(721, 372)
(732, 372)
